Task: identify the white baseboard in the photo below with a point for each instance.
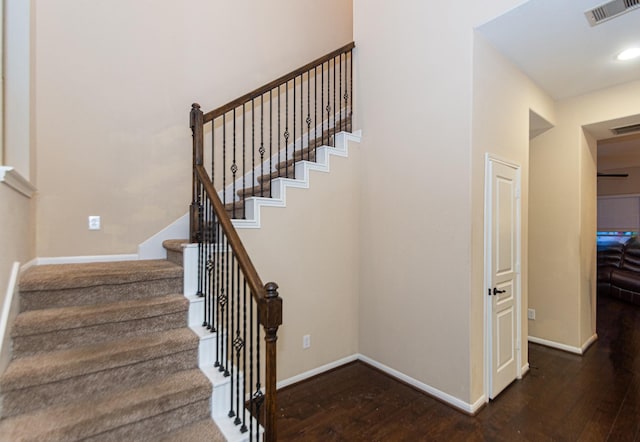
(7, 315)
(26, 266)
(432, 391)
(588, 342)
(564, 347)
(316, 371)
(85, 259)
(440, 395)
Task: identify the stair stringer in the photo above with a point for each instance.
(253, 205)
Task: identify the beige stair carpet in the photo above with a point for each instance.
(102, 352)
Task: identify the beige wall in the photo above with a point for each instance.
(114, 84)
(310, 248)
(414, 105)
(17, 234)
(502, 99)
(562, 218)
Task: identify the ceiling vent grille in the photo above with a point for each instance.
(610, 10)
(622, 130)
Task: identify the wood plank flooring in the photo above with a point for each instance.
(565, 397)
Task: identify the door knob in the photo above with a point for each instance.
(496, 291)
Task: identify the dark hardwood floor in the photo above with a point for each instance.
(565, 397)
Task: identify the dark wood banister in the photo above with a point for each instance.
(266, 296)
(209, 116)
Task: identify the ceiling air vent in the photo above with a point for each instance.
(626, 129)
(610, 10)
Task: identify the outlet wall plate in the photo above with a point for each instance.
(94, 222)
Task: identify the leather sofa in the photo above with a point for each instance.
(619, 271)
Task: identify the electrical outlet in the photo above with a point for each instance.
(94, 222)
(306, 341)
(531, 313)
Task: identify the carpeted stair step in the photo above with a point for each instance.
(285, 169)
(52, 378)
(201, 431)
(235, 212)
(282, 169)
(44, 330)
(174, 250)
(51, 286)
(140, 413)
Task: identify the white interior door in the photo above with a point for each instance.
(503, 287)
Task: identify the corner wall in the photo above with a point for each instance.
(502, 99)
(114, 83)
(414, 104)
(562, 281)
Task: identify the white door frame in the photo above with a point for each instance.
(489, 158)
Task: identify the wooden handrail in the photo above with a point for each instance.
(209, 116)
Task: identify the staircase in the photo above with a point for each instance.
(102, 352)
(292, 172)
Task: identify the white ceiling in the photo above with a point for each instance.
(553, 43)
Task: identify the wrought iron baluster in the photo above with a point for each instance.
(213, 152)
(335, 108)
(219, 290)
(294, 130)
(309, 115)
(270, 140)
(339, 107)
(322, 102)
(253, 150)
(258, 395)
(351, 91)
(279, 147)
(200, 192)
(211, 269)
(225, 300)
(232, 308)
(243, 429)
(286, 130)
(237, 346)
(212, 273)
(328, 109)
(301, 117)
(234, 167)
(315, 111)
(261, 145)
(207, 257)
(250, 339)
(224, 159)
(244, 162)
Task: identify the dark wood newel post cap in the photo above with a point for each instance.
(272, 289)
(195, 106)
